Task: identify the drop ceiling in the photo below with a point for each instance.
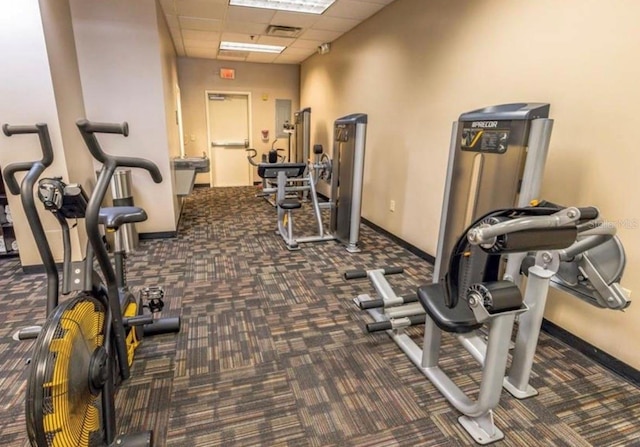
(198, 26)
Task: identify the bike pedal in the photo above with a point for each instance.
(154, 297)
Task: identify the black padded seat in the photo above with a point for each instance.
(459, 320)
(289, 204)
(114, 216)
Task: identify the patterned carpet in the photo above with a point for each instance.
(272, 350)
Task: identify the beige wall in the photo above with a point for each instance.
(198, 75)
(39, 66)
(171, 90)
(125, 72)
(417, 65)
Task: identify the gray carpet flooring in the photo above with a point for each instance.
(273, 352)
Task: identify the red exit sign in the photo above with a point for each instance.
(228, 73)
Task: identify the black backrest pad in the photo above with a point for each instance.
(271, 170)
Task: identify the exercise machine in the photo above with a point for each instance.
(471, 295)
(344, 172)
(297, 178)
(84, 349)
(302, 131)
(301, 128)
(496, 160)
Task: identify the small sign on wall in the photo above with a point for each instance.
(228, 73)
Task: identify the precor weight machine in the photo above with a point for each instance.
(496, 160)
(344, 172)
(301, 127)
(588, 265)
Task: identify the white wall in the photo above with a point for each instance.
(416, 66)
(198, 75)
(40, 83)
(124, 70)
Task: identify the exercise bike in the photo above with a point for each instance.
(85, 347)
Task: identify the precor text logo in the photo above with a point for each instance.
(485, 124)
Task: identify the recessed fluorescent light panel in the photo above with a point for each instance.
(308, 6)
(239, 46)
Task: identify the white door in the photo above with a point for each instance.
(228, 122)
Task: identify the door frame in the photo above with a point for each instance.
(209, 148)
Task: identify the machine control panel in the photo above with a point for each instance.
(342, 133)
(485, 136)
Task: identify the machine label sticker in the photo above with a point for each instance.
(485, 136)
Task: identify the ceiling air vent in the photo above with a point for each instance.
(283, 31)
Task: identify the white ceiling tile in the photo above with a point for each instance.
(205, 9)
(172, 21)
(236, 37)
(335, 24)
(299, 20)
(245, 27)
(211, 44)
(262, 57)
(298, 51)
(282, 59)
(202, 52)
(381, 2)
(270, 40)
(176, 33)
(200, 35)
(168, 6)
(179, 48)
(200, 24)
(231, 58)
(257, 15)
(309, 44)
(321, 35)
(353, 9)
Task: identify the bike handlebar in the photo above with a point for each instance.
(88, 130)
(47, 153)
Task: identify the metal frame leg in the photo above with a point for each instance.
(517, 381)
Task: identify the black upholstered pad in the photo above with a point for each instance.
(115, 216)
(270, 170)
(460, 319)
(289, 204)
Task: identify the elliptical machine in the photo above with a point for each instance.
(85, 346)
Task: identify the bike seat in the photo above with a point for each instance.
(289, 204)
(114, 216)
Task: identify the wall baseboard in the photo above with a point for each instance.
(159, 235)
(602, 358)
(609, 362)
(401, 242)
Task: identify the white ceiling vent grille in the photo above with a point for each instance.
(283, 31)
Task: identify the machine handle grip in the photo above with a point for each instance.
(93, 127)
(589, 213)
(379, 326)
(357, 274)
(45, 145)
(586, 213)
(88, 130)
(15, 130)
(371, 304)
